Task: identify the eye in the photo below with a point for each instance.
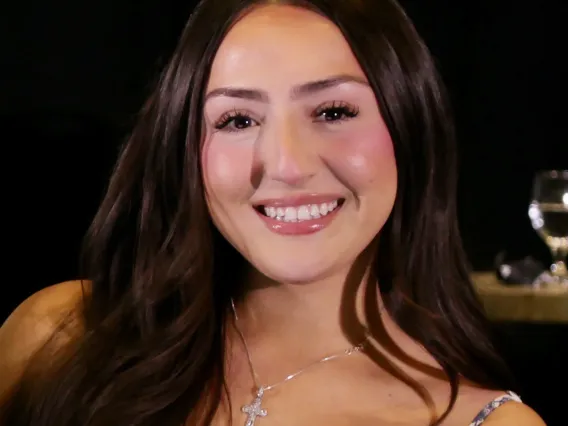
(335, 112)
(235, 121)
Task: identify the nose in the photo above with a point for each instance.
(286, 156)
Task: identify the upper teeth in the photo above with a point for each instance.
(300, 213)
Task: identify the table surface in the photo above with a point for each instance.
(520, 302)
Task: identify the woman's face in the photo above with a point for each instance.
(298, 164)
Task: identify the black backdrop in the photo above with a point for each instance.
(73, 74)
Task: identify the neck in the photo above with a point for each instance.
(328, 313)
(325, 317)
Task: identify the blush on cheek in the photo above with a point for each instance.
(226, 169)
(364, 156)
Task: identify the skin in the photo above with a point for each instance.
(291, 314)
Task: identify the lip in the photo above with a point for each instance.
(298, 200)
(305, 227)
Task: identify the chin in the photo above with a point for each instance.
(296, 270)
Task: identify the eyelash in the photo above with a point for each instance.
(345, 110)
(228, 118)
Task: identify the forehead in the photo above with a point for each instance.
(278, 44)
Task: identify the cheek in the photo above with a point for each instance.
(364, 157)
(226, 170)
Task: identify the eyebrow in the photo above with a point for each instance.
(299, 91)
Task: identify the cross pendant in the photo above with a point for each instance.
(254, 409)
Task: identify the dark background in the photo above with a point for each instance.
(73, 74)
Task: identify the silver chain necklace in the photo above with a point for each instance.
(254, 410)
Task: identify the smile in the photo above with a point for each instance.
(299, 216)
(301, 213)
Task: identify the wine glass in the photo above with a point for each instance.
(548, 213)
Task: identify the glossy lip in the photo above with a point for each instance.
(298, 200)
(305, 227)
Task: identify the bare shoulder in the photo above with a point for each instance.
(32, 323)
(514, 413)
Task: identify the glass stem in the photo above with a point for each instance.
(558, 268)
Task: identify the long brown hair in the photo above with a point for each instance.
(153, 347)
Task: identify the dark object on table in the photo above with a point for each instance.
(523, 271)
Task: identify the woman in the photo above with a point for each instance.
(295, 158)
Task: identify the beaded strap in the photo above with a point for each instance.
(493, 405)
